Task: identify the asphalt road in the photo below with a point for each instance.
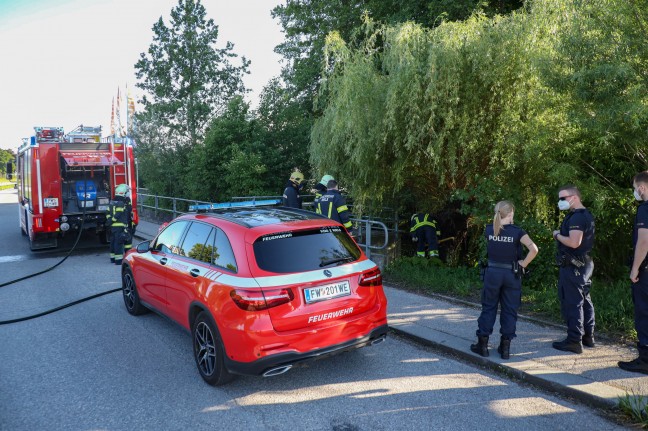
(94, 367)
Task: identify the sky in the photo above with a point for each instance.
(61, 61)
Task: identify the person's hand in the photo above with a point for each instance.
(555, 233)
(520, 262)
(414, 239)
(634, 275)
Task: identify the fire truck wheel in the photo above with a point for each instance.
(208, 351)
(131, 297)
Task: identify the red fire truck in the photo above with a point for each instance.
(66, 182)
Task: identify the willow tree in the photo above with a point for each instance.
(465, 114)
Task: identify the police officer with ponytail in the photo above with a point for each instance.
(575, 240)
(502, 279)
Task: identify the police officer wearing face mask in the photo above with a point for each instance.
(639, 275)
(502, 278)
(575, 240)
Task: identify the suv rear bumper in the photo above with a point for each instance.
(288, 359)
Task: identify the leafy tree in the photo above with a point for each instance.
(185, 76)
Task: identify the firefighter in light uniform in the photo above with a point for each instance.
(639, 275)
(502, 279)
(291, 197)
(575, 240)
(423, 230)
(120, 219)
(320, 189)
(333, 205)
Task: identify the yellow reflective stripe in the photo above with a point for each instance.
(423, 223)
(118, 224)
(330, 209)
(342, 208)
(348, 224)
(318, 208)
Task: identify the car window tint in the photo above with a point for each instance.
(288, 252)
(169, 240)
(196, 244)
(223, 254)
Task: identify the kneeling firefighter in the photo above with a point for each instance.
(120, 220)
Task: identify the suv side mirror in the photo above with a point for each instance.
(143, 246)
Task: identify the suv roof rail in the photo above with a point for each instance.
(242, 204)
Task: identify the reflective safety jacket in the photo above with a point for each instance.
(420, 221)
(333, 205)
(120, 213)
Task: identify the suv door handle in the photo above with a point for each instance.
(163, 261)
(194, 272)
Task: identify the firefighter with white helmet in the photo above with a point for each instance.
(120, 220)
(291, 197)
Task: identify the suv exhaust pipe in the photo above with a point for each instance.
(276, 371)
(378, 340)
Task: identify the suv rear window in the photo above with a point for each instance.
(288, 252)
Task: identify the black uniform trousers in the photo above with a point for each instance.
(503, 288)
(640, 299)
(575, 302)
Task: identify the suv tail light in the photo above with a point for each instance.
(370, 278)
(256, 300)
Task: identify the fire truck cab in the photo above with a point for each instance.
(66, 181)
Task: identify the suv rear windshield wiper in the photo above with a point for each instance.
(336, 260)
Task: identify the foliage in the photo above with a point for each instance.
(469, 113)
(186, 77)
(636, 407)
(7, 156)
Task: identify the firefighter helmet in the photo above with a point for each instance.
(297, 177)
(326, 179)
(122, 190)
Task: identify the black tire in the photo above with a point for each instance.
(208, 351)
(23, 231)
(131, 297)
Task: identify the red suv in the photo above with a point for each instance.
(260, 289)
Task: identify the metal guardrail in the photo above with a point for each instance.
(370, 230)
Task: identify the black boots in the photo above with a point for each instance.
(638, 365)
(504, 348)
(568, 345)
(481, 348)
(588, 340)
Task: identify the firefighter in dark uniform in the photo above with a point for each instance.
(639, 275)
(291, 197)
(120, 219)
(333, 205)
(423, 230)
(320, 189)
(575, 240)
(502, 279)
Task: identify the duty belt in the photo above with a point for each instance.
(500, 265)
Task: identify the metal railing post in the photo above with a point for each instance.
(368, 233)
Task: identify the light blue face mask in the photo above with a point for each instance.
(564, 205)
(637, 196)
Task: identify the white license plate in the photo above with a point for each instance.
(322, 293)
(50, 202)
(87, 204)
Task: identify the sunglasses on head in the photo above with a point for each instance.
(564, 197)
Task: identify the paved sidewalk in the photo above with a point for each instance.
(591, 377)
